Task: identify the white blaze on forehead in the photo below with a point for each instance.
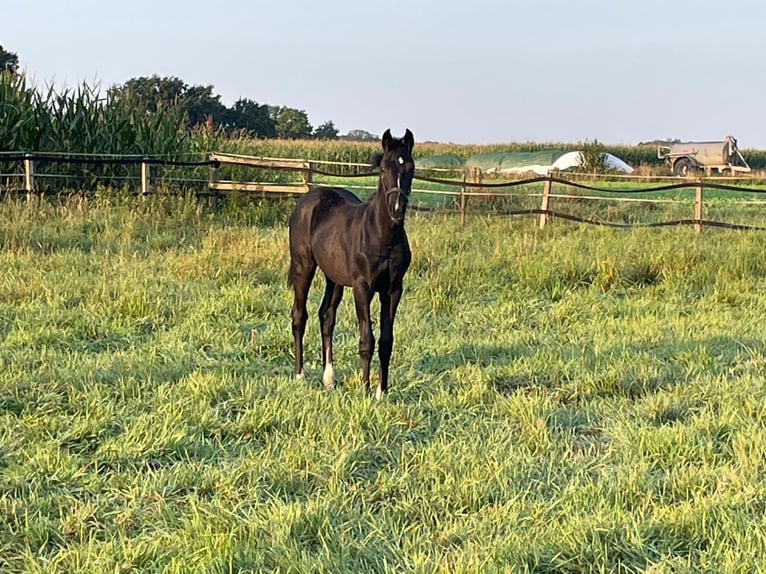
(401, 160)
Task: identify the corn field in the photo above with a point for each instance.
(80, 121)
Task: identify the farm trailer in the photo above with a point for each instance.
(688, 158)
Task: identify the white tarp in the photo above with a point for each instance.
(567, 161)
(574, 158)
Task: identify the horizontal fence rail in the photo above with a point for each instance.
(470, 186)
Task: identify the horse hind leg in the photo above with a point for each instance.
(300, 276)
(362, 297)
(389, 302)
(327, 311)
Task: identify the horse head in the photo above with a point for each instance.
(397, 169)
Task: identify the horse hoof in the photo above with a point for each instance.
(300, 377)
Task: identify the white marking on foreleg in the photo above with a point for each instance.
(378, 394)
(328, 376)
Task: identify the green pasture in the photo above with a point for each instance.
(576, 399)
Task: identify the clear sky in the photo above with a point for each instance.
(475, 71)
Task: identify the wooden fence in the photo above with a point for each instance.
(469, 184)
(472, 184)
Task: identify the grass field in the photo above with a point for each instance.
(576, 399)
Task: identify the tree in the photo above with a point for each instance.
(201, 103)
(291, 123)
(151, 92)
(326, 131)
(593, 157)
(155, 92)
(9, 61)
(252, 117)
(359, 136)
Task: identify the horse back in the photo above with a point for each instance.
(318, 206)
(333, 205)
(329, 199)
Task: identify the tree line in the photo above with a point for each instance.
(203, 107)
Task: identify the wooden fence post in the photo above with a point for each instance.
(698, 208)
(545, 201)
(214, 178)
(215, 175)
(144, 178)
(29, 177)
(308, 175)
(462, 199)
(477, 177)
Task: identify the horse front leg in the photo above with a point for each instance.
(362, 298)
(389, 302)
(327, 311)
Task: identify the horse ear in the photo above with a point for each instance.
(386, 140)
(409, 140)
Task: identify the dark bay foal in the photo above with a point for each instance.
(362, 245)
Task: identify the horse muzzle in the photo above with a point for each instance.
(397, 209)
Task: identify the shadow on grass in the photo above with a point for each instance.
(577, 375)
